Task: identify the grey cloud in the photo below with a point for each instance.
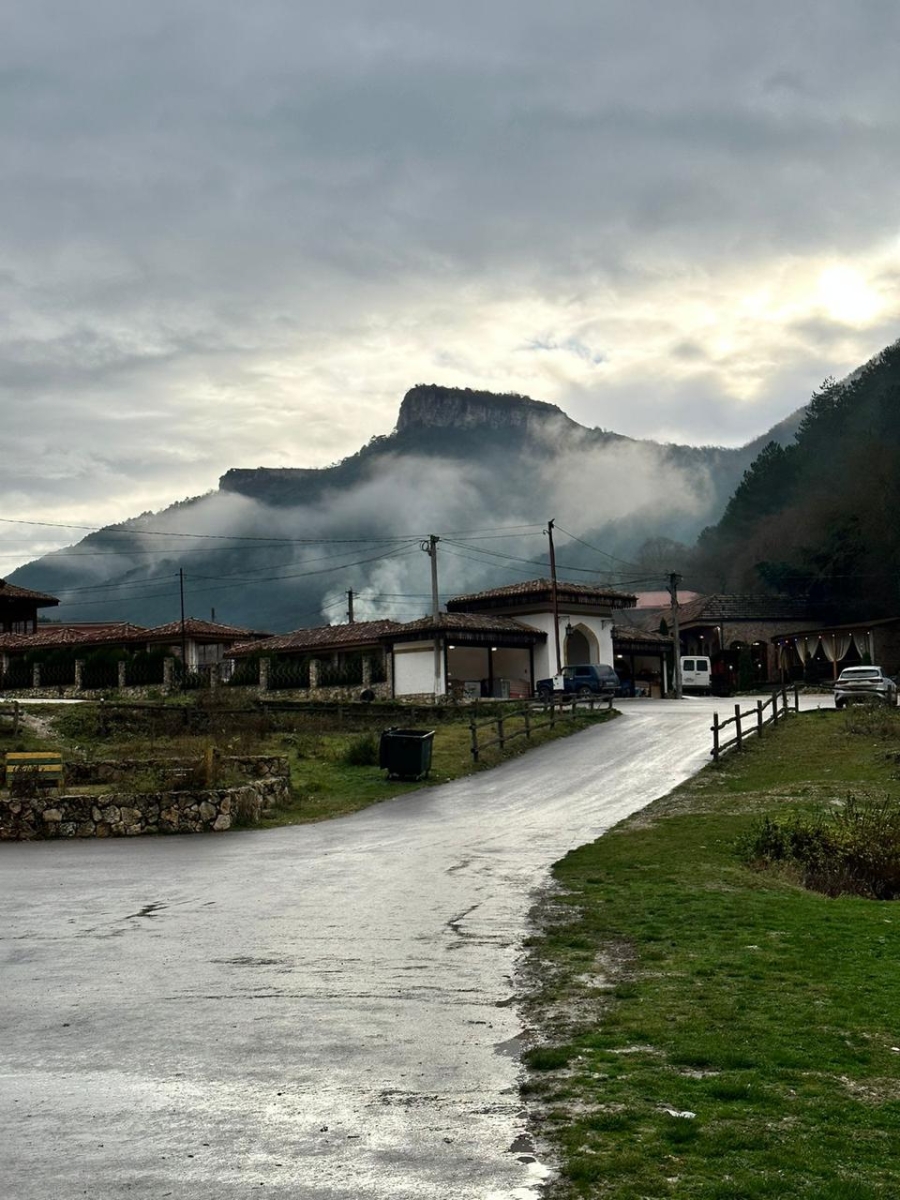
(196, 192)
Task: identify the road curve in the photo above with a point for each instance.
(317, 1012)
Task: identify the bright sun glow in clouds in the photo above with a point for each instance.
(847, 296)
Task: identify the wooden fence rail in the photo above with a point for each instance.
(750, 721)
(553, 709)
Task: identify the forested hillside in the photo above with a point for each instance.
(821, 517)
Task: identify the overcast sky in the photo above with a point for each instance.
(233, 234)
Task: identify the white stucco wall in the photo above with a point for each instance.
(414, 669)
(545, 654)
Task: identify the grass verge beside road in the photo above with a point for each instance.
(669, 978)
(324, 781)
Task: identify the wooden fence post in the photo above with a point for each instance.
(784, 698)
(527, 717)
(796, 698)
(15, 718)
(737, 726)
(715, 733)
(500, 739)
(473, 730)
(552, 712)
(775, 708)
(759, 717)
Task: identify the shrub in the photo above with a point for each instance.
(855, 850)
(361, 751)
(873, 720)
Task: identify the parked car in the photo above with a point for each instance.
(584, 679)
(864, 684)
(696, 674)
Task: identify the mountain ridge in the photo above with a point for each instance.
(456, 459)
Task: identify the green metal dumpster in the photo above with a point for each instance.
(406, 753)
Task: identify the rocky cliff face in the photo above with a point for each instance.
(428, 406)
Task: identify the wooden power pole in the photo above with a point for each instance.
(674, 580)
(430, 548)
(555, 593)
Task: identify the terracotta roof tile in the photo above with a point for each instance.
(463, 622)
(625, 631)
(52, 637)
(206, 630)
(9, 591)
(722, 606)
(542, 589)
(357, 633)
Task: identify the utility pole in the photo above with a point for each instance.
(555, 592)
(350, 605)
(183, 633)
(430, 548)
(674, 580)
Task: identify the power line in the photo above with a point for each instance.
(631, 566)
(535, 562)
(216, 537)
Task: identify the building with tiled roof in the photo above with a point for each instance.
(19, 606)
(201, 643)
(729, 627)
(576, 618)
(207, 631)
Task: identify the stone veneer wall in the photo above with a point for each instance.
(131, 814)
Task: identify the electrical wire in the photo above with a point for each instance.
(631, 566)
(216, 537)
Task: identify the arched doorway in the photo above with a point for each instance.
(581, 646)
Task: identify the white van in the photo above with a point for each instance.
(695, 673)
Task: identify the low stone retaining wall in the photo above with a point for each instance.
(130, 814)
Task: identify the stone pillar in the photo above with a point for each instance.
(121, 669)
(313, 673)
(36, 675)
(79, 674)
(168, 674)
(366, 670)
(264, 668)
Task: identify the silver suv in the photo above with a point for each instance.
(864, 684)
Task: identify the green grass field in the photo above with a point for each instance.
(669, 977)
(323, 783)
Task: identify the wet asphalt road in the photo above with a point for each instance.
(321, 1011)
